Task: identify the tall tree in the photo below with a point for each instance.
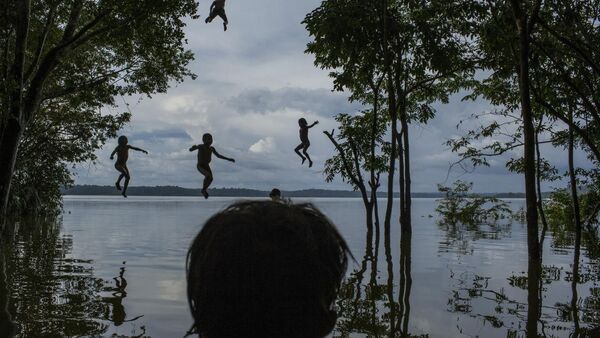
(53, 50)
(410, 46)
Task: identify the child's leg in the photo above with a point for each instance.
(211, 16)
(208, 178)
(306, 145)
(297, 150)
(119, 168)
(127, 177)
(224, 17)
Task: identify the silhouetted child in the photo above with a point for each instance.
(218, 8)
(205, 152)
(122, 151)
(304, 139)
(265, 269)
(275, 195)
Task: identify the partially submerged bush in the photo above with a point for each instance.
(461, 206)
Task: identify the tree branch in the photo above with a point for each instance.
(345, 162)
(42, 41)
(573, 45)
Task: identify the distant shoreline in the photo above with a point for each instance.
(105, 190)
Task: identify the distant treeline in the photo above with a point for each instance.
(240, 192)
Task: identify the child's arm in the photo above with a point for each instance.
(314, 123)
(138, 149)
(221, 156)
(194, 147)
(212, 6)
(112, 155)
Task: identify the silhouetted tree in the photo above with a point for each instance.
(83, 50)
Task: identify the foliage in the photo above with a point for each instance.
(559, 212)
(355, 138)
(63, 135)
(564, 71)
(460, 206)
(62, 61)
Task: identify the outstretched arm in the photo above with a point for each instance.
(221, 156)
(194, 147)
(112, 155)
(314, 123)
(138, 149)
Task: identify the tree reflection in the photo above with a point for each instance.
(370, 307)
(502, 308)
(48, 292)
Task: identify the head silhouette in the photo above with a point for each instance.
(207, 139)
(122, 140)
(275, 192)
(302, 122)
(265, 269)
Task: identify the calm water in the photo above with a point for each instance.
(115, 267)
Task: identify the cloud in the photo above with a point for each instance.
(266, 145)
(162, 134)
(318, 101)
(254, 82)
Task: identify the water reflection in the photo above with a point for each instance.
(534, 313)
(368, 303)
(49, 293)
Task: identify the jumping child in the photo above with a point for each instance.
(304, 139)
(122, 151)
(218, 8)
(205, 152)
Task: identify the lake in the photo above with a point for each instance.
(115, 267)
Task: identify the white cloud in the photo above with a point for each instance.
(266, 145)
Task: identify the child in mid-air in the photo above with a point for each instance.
(205, 152)
(218, 8)
(304, 139)
(122, 151)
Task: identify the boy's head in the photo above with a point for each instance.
(302, 122)
(207, 139)
(275, 194)
(122, 140)
(265, 269)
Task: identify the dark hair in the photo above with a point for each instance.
(206, 137)
(302, 121)
(265, 269)
(275, 192)
(122, 140)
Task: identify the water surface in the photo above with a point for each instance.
(116, 267)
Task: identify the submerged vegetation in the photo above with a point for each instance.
(460, 205)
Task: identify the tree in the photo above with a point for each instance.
(84, 49)
(63, 134)
(459, 205)
(356, 152)
(410, 48)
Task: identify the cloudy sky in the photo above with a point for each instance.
(254, 82)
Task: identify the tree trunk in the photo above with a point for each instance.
(9, 145)
(534, 261)
(392, 109)
(577, 220)
(405, 222)
(540, 201)
(12, 127)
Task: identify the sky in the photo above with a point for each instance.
(254, 83)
